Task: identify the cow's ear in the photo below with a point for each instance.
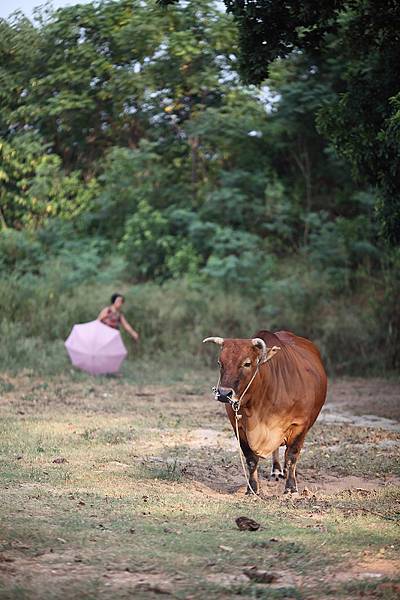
(271, 352)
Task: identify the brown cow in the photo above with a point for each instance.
(282, 401)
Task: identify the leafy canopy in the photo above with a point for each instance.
(362, 39)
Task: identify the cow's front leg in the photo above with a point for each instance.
(291, 455)
(252, 464)
(276, 471)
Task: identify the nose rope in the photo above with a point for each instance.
(236, 407)
(241, 456)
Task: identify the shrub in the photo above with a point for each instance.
(357, 332)
(20, 252)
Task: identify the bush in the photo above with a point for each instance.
(19, 351)
(348, 328)
(240, 290)
(20, 252)
(174, 318)
(238, 261)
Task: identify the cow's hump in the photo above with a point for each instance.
(272, 339)
(287, 337)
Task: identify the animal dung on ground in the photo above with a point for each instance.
(246, 524)
(259, 576)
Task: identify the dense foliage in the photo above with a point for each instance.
(357, 41)
(357, 44)
(132, 154)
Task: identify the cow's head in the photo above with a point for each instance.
(238, 362)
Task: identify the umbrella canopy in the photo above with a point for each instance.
(95, 348)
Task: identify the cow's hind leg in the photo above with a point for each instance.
(252, 464)
(291, 455)
(276, 471)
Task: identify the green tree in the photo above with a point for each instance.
(361, 119)
(99, 75)
(34, 187)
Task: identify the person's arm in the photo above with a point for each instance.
(129, 329)
(103, 314)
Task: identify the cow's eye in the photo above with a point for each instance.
(247, 363)
(219, 363)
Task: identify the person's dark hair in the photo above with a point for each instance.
(115, 296)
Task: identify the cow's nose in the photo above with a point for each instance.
(225, 394)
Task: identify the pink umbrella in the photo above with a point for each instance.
(95, 348)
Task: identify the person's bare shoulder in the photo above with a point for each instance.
(102, 313)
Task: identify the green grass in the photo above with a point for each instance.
(140, 507)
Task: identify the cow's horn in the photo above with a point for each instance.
(216, 340)
(259, 343)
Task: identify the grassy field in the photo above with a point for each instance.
(120, 488)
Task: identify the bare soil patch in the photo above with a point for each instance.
(370, 568)
(377, 397)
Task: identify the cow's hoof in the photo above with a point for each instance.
(252, 491)
(292, 492)
(276, 475)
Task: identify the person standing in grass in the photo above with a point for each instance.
(112, 316)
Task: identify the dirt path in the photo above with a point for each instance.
(377, 397)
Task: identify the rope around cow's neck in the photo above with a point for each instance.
(241, 456)
(236, 407)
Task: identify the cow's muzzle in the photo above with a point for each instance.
(225, 395)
